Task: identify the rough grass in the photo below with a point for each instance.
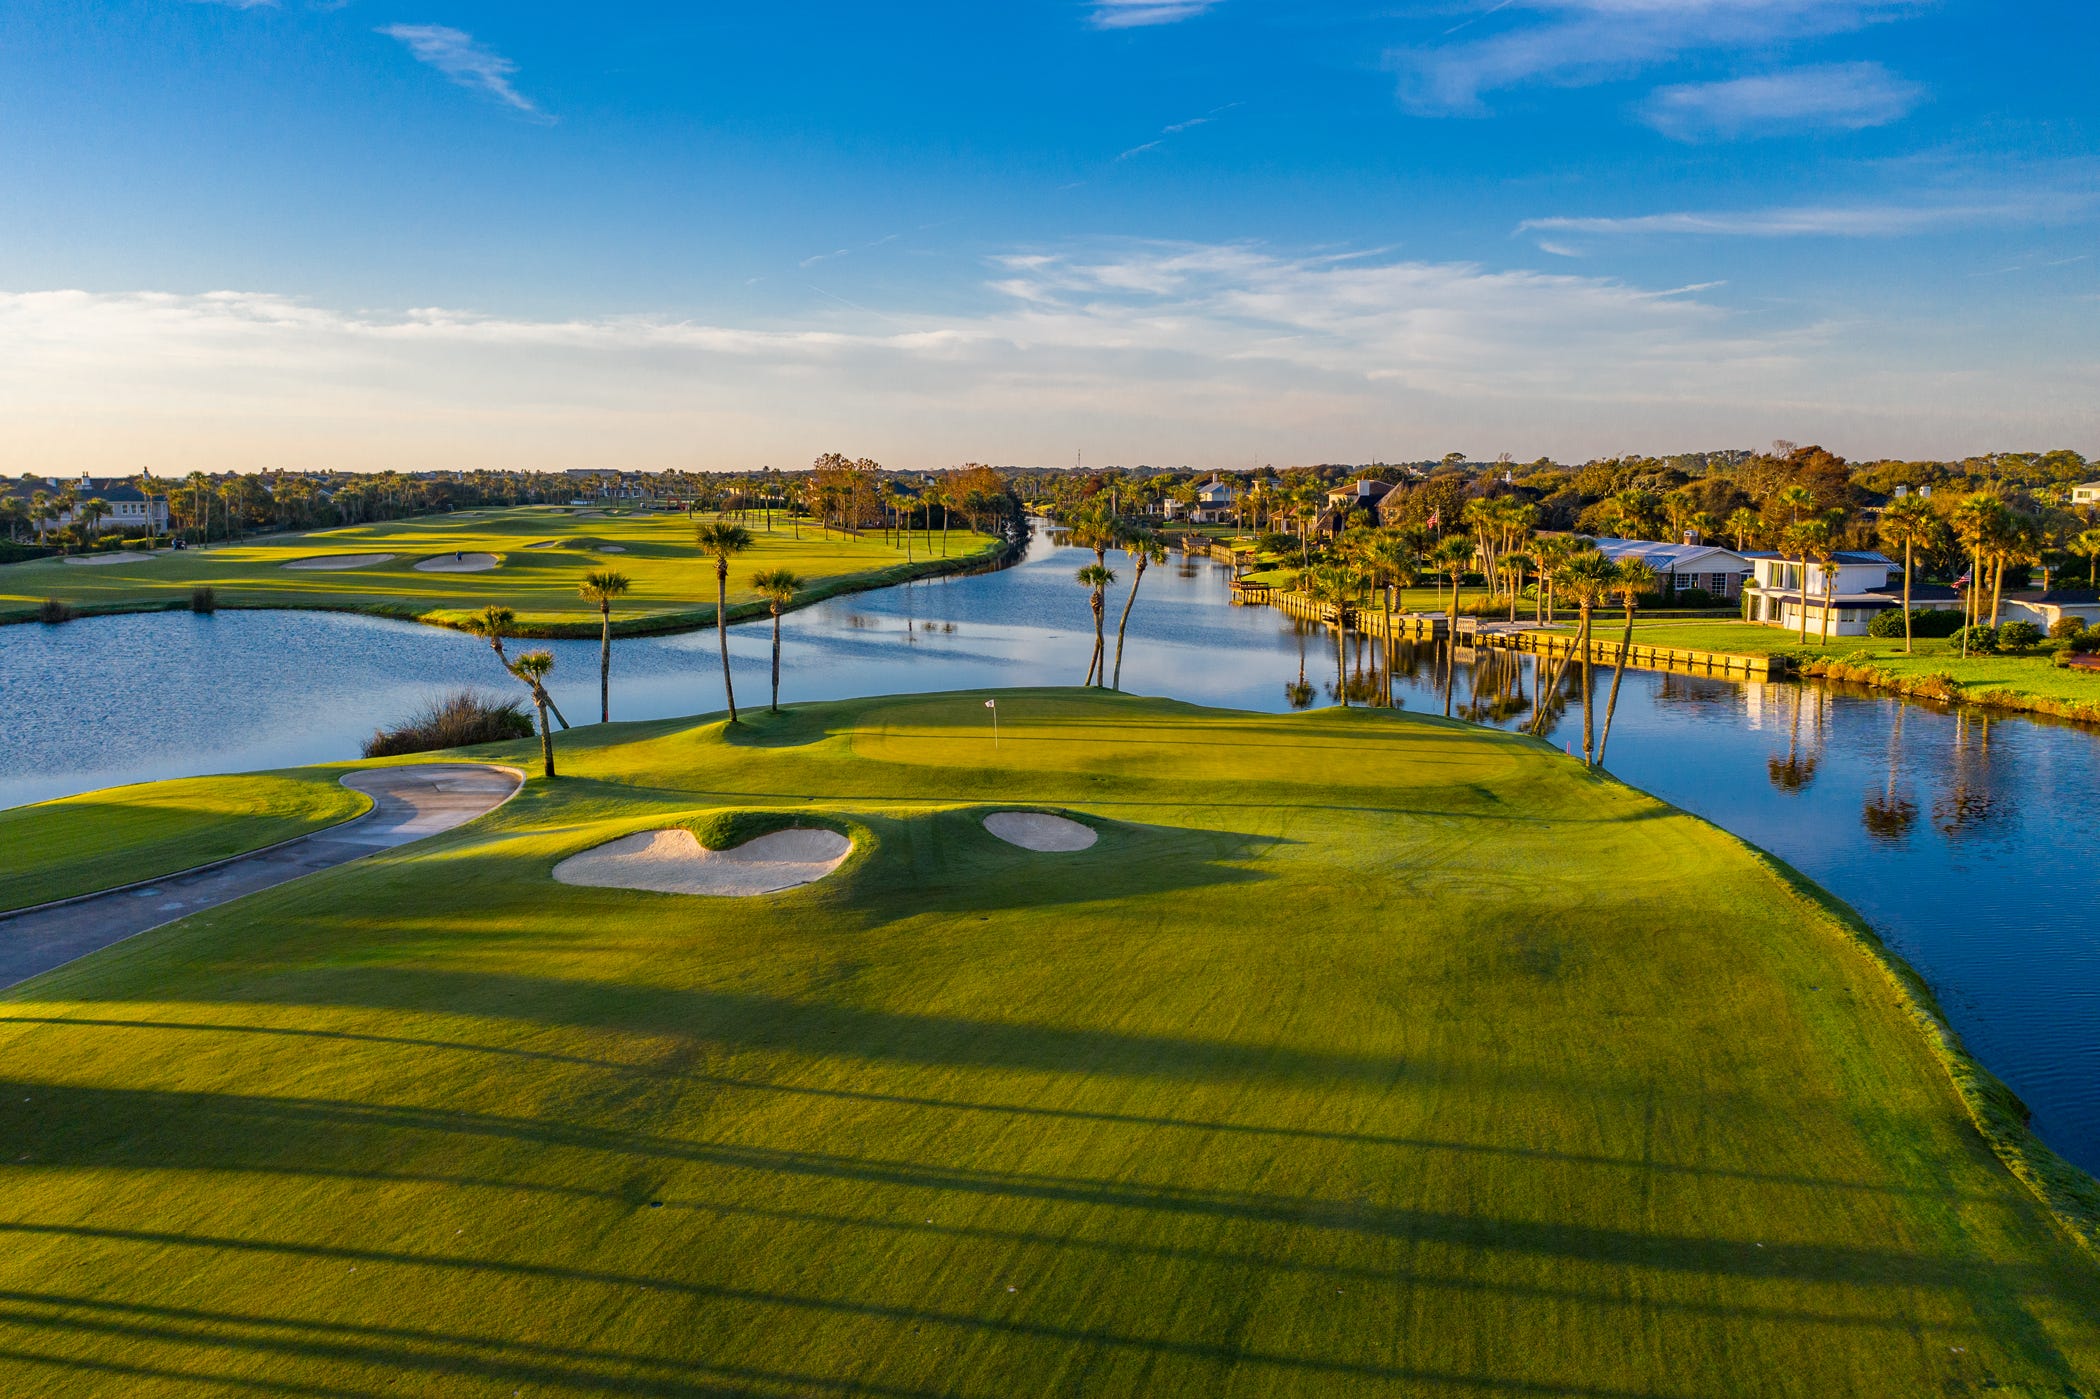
(77, 845)
(674, 586)
(458, 720)
(1363, 1054)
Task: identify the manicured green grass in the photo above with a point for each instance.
(77, 845)
(2033, 675)
(545, 552)
(1363, 1054)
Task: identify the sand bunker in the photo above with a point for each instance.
(333, 562)
(459, 563)
(612, 548)
(1039, 830)
(673, 862)
(121, 556)
(545, 544)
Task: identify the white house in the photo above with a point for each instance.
(1853, 587)
(1722, 572)
(1213, 503)
(2045, 610)
(129, 507)
(2087, 494)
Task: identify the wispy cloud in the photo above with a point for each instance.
(1806, 221)
(454, 53)
(1136, 14)
(1831, 96)
(1579, 42)
(1139, 150)
(1176, 128)
(240, 4)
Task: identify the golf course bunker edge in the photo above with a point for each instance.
(675, 862)
(1041, 831)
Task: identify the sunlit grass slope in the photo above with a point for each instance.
(544, 554)
(1362, 1054)
(77, 845)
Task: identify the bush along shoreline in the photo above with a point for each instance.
(2021, 641)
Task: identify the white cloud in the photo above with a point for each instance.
(240, 4)
(1580, 42)
(454, 53)
(1136, 14)
(1161, 352)
(1818, 221)
(1841, 96)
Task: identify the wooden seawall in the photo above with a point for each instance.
(1472, 631)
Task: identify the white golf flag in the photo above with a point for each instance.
(989, 705)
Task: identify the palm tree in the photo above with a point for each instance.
(601, 586)
(1587, 578)
(1796, 499)
(1144, 548)
(1338, 585)
(1975, 522)
(533, 668)
(778, 587)
(1452, 556)
(1630, 580)
(1817, 539)
(2088, 544)
(1097, 578)
(723, 541)
(1909, 522)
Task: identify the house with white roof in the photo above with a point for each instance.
(2087, 494)
(1692, 564)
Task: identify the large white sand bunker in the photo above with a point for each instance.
(673, 862)
(121, 556)
(331, 563)
(1039, 830)
(459, 563)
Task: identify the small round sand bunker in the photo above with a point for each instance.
(332, 563)
(121, 556)
(459, 563)
(1039, 830)
(673, 862)
(612, 548)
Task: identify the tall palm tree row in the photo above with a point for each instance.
(778, 587)
(600, 586)
(724, 542)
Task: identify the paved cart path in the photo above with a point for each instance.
(408, 803)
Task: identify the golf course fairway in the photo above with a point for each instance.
(441, 568)
(1361, 1053)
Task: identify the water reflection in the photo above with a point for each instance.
(1837, 781)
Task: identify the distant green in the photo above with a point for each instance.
(1364, 1053)
(543, 554)
(77, 845)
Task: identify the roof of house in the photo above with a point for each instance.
(1923, 592)
(1365, 490)
(1674, 558)
(2061, 597)
(1842, 556)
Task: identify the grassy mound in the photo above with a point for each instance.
(1363, 1053)
(726, 830)
(77, 845)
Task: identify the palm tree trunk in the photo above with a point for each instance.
(1100, 666)
(1124, 623)
(605, 664)
(722, 631)
(1385, 605)
(1611, 705)
(1804, 599)
(776, 658)
(1341, 652)
(546, 734)
(1909, 553)
(1829, 601)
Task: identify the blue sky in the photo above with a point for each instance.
(437, 232)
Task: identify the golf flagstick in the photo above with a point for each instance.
(993, 705)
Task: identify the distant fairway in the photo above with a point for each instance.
(1362, 1053)
(540, 554)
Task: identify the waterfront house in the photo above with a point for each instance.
(130, 509)
(2045, 610)
(1853, 587)
(1692, 564)
(1213, 503)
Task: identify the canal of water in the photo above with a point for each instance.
(1967, 841)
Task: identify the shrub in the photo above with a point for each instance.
(1939, 686)
(53, 611)
(1978, 640)
(1695, 599)
(2085, 642)
(453, 721)
(1886, 624)
(1934, 621)
(2066, 628)
(204, 600)
(2019, 636)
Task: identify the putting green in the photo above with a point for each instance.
(78, 845)
(544, 553)
(1363, 1053)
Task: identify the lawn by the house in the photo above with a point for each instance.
(78, 845)
(1364, 1053)
(541, 555)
